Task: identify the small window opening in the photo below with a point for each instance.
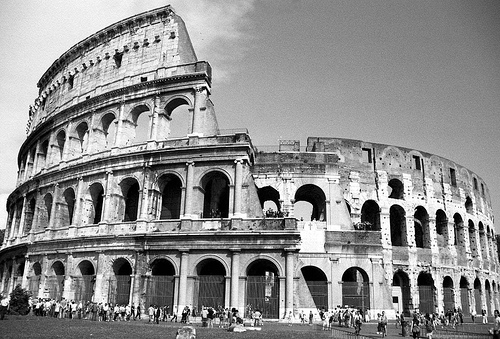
(453, 177)
(144, 79)
(482, 188)
(118, 58)
(475, 183)
(367, 155)
(71, 81)
(87, 97)
(417, 163)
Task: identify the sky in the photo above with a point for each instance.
(418, 74)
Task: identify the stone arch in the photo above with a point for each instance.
(421, 226)
(426, 293)
(96, 203)
(65, 217)
(210, 283)
(356, 288)
(160, 285)
(448, 294)
(170, 186)
(397, 217)
(263, 287)
(464, 295)
(483, 241)
(478, 291)
(469, 207)
(136, 127)
(401, 292)
(179, 118)
(488, 297)
(45, 211)
(54, 282)
(441, 228)
(392, 157)
(472, 239)
(120, 282)
(60, 143)
(128, 206)
(42, 157)
(29, 214)
(396, 189)
(107, 129)
(317, 285)
(215, 190)
(84, 280)
(459, 230)
(268, 193)
(370, 214)
(81, 134)
(315, 196)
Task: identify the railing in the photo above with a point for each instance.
(338, 333)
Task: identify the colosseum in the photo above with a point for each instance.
(129, 192)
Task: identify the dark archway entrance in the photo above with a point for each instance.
(216, 195)
(316, 197)
(426, 293)
(84, 283)
(54, 283)
(318, 286)
(448, 294)
(464, 295)
(210, 284)
(263, 288)
(356, 289)
(401, 292)
(160, 285)
(119, 285)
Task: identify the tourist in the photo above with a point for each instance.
(429, 326)
(415, 327)
(496, 329)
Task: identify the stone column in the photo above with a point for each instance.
(100, 278)
(183, 279)
(10, 288)
(53, 211)
(77, 215)
(106, 213)
(119, 125)
(23, 219)
(238, 174)
(200, 98)
(25, 281)
(189, 190)
(235, 277)
(154, 118)
(144, 194)
(290, 261)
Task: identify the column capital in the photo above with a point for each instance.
(235, 250)
(190, 163)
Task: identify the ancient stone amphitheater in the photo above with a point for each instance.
(129, 192)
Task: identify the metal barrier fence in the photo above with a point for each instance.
(339, 333)
(452, 334)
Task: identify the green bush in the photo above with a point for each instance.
(19, 301)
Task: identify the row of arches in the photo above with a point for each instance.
(93, 134)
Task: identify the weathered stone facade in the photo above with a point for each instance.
(101, 213)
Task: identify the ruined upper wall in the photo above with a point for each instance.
(144, 47)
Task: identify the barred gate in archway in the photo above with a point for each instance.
(464, 298)
(84, 287)
(448, 298)
(356, 294)
(263, 294)
(54, 286)
(426, 295)
(319, 293)
(479, 304)
(119, 289)
(209, 291)
(160, 290)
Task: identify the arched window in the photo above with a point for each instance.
(421, 225)
(82, 132)
(130, 195)
(398, 225)
(60, 142)
(179, 119)
(316, 197)
(216, 195)
(66, 217)
(441, 228)
(396, 189)
(171, 192)
(468, 205)
(472, 238)
(96, 192)
(370, 214)
(108, 125)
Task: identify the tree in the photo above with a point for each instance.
(2, 235)
(19, 301)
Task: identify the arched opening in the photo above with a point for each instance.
(108, 124)
(28, 215)
(263, 288)
(370, 215)
(458, 226)
(483, 241)
(401, 292)
(46, 211)
(210, 284)
(472, 239)
(317, 283)
(448, 294)
(487, 288)
(215, 186)
(303, 210)
(130, 194)
(42, 155)
(398, 225)
(119, 284)
(464, 295)
(426, 293)
(477, 296)
(269, 199)
(396, 189)
(356, 289)
(179, 119)
(138, 125)
(96, 192)
(54, 282)
(60, 141)
(316, 197)
(468, 205)
(441, 228)
(34, 279)
(421, 225)
(66, 217)
(84, 281)
(82, 132)
(171, 193)
(160, 285)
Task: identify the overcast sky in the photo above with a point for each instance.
(419, 74)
